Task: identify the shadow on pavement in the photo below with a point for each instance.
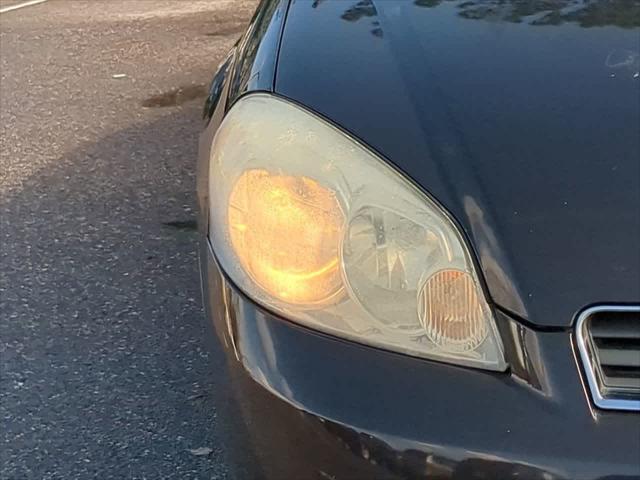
(107, 369)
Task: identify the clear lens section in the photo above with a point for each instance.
(314, 226)
(384, 256)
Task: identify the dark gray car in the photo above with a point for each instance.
(420, 238)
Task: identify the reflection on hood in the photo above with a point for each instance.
(586, 13)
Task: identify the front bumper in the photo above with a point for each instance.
(316, 407)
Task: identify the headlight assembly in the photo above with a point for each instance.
(314, 226)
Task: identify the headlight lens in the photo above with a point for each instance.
(313, 225)
(285, 231)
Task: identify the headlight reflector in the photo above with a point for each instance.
(265, 212)
(313, 225)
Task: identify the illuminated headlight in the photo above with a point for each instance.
(314, 226)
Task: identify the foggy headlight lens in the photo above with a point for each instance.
(313, 225)
(265, 213)
(383, 257)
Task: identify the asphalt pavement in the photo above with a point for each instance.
(106, 371)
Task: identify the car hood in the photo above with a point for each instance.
(524, 122)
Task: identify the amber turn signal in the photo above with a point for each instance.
(451, 312)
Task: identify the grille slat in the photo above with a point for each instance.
(609, 344)
(621, 372)
(625, 329)
(619, 357)
(617, 343)
(622, 384)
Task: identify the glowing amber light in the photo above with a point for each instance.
(451, 311)
(286, 233)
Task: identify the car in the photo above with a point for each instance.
(419, 239)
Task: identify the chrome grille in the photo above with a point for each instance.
(608, 340)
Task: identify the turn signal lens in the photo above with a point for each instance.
(451, 312)
(314, 226)
(286, 232)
